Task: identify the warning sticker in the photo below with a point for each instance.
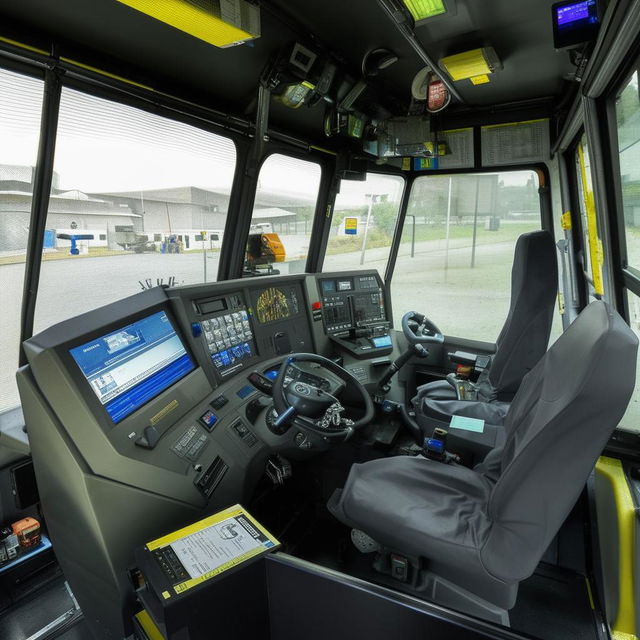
(207, 548)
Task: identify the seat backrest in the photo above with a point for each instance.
(558, 424)
(525, 335)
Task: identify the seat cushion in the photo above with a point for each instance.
(442, 410)
(438, 390)
(422, 507)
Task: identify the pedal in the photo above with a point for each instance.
(362, 542)
(278, 470)
(386, 434)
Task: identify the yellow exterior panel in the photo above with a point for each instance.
(611, 471)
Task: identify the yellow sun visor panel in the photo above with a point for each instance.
(222, 23)
(477, 63)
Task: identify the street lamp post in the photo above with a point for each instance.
(366, 229)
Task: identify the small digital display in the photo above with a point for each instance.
(574, 12)
(381, 341)
(574, 22)
(328, 286)
(130, 367)
(345, 285)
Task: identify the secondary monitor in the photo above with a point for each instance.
(131, 366)
(574, 22)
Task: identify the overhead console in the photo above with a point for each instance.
(355, 313)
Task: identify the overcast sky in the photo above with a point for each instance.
(106, 146)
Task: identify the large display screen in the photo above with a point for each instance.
(131, 366)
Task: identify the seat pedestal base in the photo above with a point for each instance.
(427, 585)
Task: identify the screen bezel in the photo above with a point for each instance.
(79, 380)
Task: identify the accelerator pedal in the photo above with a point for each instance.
(363, 543)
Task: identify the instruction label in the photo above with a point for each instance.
(515, 143)
(207, 548)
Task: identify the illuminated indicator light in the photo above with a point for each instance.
(218, 22)
(423, 9)
(316, 306)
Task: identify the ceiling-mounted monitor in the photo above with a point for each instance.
(574, 22)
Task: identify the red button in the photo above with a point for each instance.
(315, 306)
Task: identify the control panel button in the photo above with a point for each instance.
(209, 419)
(219, 402)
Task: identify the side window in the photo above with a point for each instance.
(130, 189)
(20, 107)
(456, 251)
(282, 216)
(364, 220)
(592, 253)
(628, 127)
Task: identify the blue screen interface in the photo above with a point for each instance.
(129, 367)
(577, 12)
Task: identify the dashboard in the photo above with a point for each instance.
(179, 380)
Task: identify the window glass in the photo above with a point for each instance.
(456, 252)
(364, 220)
(20, 108)
(631, 419)
(282, 216)
(141, 194)
(628, 121)
(590, 232)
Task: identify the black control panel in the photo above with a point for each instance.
(354, 313)
(227, 332)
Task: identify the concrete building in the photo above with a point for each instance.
(69, 211)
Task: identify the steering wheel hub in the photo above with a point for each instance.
(313, 408)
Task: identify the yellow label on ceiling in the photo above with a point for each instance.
(482, 79)
(466, 65)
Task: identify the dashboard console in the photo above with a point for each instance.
(355, 315)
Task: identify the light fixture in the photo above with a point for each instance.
(423, 9)
(222, 23)
(476, 65)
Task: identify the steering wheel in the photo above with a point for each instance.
(418, 329)
(306, 406)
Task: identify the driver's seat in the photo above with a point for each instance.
(483, 530)
(522, 341)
